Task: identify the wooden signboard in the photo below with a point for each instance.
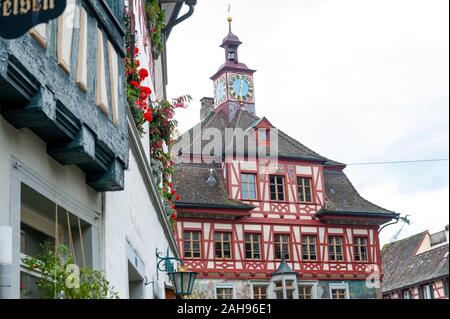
(19, 16)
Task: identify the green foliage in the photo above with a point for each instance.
(58, 282)
(156, 24)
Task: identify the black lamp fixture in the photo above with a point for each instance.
(182, 280)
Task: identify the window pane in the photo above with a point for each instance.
(28, 287)
(32, 240)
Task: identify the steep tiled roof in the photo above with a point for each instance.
(341, 196)
(190, 182)
(287, 146)
(402, 268)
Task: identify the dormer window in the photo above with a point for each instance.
(264, 136)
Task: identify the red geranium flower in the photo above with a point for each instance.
(146, 90)
(136, 51)
(148, 115)
(173, 192)
(135, 84)
(174, 216)
(143, 74)
(178, 197)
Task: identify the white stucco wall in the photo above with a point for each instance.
(32, 151)
(130, 215)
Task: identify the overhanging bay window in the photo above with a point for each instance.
(284, 284)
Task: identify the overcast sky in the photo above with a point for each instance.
(355, 80)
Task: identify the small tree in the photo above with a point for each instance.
(62, 279)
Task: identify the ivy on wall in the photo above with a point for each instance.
(155, 25)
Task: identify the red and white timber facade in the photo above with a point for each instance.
(294, 228)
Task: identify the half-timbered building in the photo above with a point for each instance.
(74, 169)
(416, 267)
(285, 226)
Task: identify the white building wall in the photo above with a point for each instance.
(130, 216)
(32, 151)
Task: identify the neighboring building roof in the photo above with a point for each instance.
(189, 180)
(403, 268)
(343, 198)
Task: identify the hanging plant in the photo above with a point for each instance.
(155, 25)
(162, 129)
(159, 114)
(56, 282)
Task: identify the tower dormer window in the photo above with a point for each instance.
(232, 54)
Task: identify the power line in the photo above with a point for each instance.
(401, 162)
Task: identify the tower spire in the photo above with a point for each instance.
(230, 19)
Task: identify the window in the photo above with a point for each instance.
(426, 291)
(248, 186)
(260, 292)
(309, 248)
(305, 292)
(253, 246)
(192, 244)
(223, 245)
(360, 248)
(304, 187)
(276, 187)
(38, 228)
(338, 293)
(290, 289)
(279, 289)
(335, 248)
(282, 246)
(445, 286)
(264, 135)
(224, 293)
(406, 294)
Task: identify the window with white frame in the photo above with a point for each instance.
(260, 291)
(339, 291)
(305, 291)
(224, 292)
(45, 223)
(248, 186)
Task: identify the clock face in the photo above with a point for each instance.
(219, 91)
(241, 87)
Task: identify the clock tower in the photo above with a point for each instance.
(233, 82)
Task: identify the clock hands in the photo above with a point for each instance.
(240, 90)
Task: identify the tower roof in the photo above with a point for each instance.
(230, 38)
